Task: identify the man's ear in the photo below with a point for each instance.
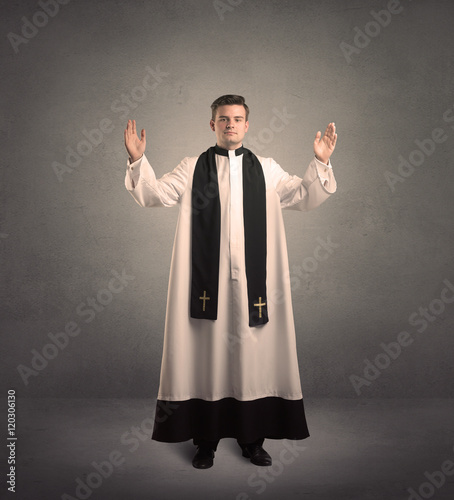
(212, 125)
(246, 126)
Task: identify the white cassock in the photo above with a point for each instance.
(223, 378)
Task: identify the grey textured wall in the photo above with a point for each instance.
(68, 224)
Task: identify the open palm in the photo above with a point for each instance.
(134, 145)
(324, 146)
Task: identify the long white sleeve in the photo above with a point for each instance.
(148, 191)
(306, 193)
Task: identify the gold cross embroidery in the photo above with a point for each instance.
(204, 298)
(260, 305)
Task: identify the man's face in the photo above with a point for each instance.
(230, 126)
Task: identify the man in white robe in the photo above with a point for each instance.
(228, 377)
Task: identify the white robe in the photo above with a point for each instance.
(215, 359)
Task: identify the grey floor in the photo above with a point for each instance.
(358, 449)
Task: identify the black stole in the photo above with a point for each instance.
(206, 235)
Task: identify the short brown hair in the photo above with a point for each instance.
(229, 99)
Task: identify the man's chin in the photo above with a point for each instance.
(231, 142)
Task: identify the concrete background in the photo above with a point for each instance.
(62, 236)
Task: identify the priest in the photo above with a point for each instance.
(229, 364)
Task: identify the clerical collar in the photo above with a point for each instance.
(224, 152)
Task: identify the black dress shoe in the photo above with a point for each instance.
(203, 459)
(257, 455)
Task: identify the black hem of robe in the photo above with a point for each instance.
(247, 421)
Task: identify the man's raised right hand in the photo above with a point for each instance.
(134, 145)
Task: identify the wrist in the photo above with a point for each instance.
(322, 159)
(134, 159)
